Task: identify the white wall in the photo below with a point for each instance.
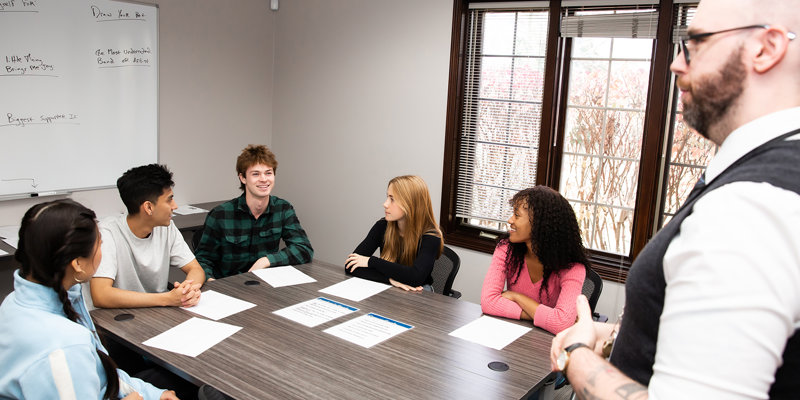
(215, 97)
(360, 97)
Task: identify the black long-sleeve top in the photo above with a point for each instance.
(380, 270)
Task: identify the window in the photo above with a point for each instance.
(688, 152)
(576, 97)
(502, 117)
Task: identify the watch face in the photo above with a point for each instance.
(561, 361)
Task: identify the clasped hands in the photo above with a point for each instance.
(186, 293)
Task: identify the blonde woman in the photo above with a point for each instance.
(408, 236)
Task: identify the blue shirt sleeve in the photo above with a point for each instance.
(75, 372)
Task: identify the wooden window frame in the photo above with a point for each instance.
(610, 266)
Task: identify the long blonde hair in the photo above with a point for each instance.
(411, 194)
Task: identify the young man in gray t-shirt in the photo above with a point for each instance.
(140, 247)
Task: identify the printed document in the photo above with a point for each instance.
(316, 311)
(368, 330)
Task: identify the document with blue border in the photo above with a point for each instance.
(368, 330)
(316, 311)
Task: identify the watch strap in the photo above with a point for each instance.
(568, 350)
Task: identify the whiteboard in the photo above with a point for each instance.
(78, 93)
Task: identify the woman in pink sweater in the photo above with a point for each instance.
(543, 262)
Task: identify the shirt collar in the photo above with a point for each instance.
(35, 295)
(241, 203)
(751, 135)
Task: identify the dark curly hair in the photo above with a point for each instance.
(555, 235)
(51, 235)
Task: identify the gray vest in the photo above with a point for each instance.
(776, 162)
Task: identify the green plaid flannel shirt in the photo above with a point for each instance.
(233, 240)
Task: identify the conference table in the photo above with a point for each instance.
(273, 357)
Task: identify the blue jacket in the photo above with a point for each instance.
(44, 355)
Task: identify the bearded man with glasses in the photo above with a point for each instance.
(713, 301)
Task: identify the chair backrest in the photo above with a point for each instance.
(444, 271)
(196, 238)
(592, 287)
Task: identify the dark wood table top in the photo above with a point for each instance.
(276, 358)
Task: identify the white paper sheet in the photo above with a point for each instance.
(283, 276)
(490, 332)
(9, 235)
(187, 209)
(192, 337)
(355, 289)
(316, 311)
(216, 305)
(368, 330)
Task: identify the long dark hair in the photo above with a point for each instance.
(53, 234)
(555, 235)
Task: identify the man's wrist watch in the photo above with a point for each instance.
(563, 358)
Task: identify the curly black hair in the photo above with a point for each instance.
(555, 235)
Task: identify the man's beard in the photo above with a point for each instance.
(713, 95)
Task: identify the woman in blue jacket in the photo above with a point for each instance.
(48, 345)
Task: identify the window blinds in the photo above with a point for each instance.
(684, 14)
(620, 22)
(501, 118)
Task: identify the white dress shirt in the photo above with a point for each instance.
(733, 281)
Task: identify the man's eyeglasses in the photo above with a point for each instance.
(699, 36)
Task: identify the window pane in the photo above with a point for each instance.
(498, 33)
(623, 134)
(603, 137)
(530, 40)
(689, 154)
(617, 183)
(578, 177)
(496, 78)
(632, 48)
(591, 48)
(579, 131)
(528, 79)
(628, 85)
(588, 82)
(508, 123)
(503, 166)
(612, 229)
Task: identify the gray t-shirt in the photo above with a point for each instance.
(136, 264)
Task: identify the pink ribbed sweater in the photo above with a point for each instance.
(556, 311)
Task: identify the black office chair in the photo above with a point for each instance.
(207, 392)
(444, 273)
(196, 236)
(592, 287)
